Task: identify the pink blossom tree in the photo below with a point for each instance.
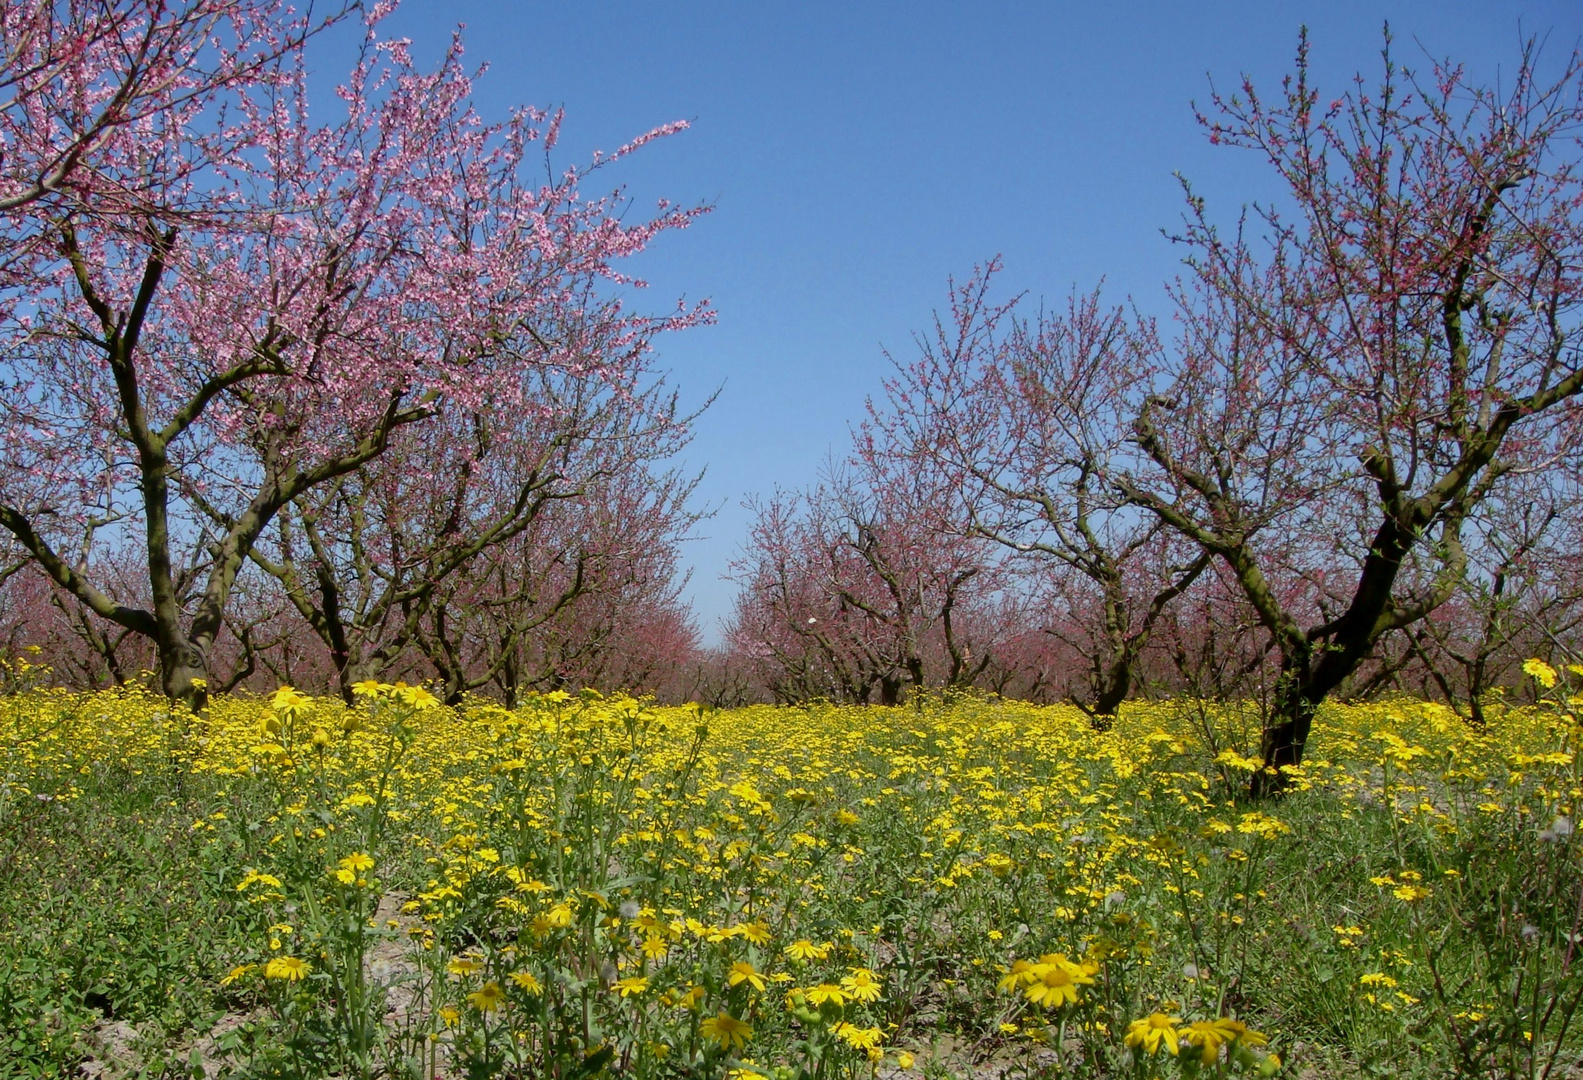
(579, 585)
(366, 558)
(92, 92)
(1021, 417)
(782, 625)
(1522, 595)
(184, 374)
(1402, 340)
(857, 586)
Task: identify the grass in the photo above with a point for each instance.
(291, 887)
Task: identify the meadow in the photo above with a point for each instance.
(294, 887)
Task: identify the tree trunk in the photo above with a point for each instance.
(510, 678)
(184, 673)
(889, 690)
(1109, 693)
(1297, 700)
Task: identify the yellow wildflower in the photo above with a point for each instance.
(1054, 981)
(1210, 1035)
(726, 1031)
(1154, 1033)
(488, 997)
(288, 968)
(744, 972)
(862, 985)
(825, 992)
(806, 950)
(1542, 672)
(238, 973)
(632, 984)
(859, 1038)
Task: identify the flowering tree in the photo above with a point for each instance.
(1521, 597)
(799, 645)
(857, 585)
(182, 377)
(366, 558)
(1400, 346)
(81, 649)
(92, 93)
(584, 578)
(1022, 418)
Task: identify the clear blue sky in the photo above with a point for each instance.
(857, 154)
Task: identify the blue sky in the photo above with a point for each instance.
(856, 155)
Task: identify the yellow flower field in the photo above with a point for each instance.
(594, 885)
